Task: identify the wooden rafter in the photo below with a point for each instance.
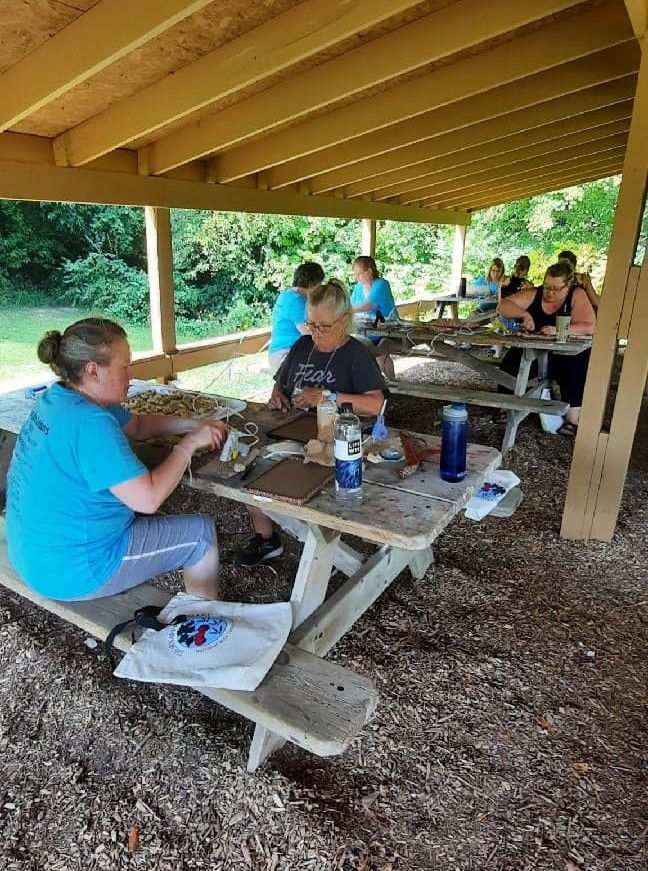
(550, 182)
(600, 459)
(552, 175)
(638, 14)
(27, 181)
(440, 34)
(603, 26)
(99, 37)
(524, 169)
(298, 33)
(560, 80)
(402, 163)
(530, 191)
(501, 153)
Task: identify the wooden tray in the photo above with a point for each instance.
(291, 481)
(299, 429)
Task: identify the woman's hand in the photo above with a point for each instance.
(308, 398)
(528, 323)
(208, 434)
(548, 331)
(278, 400)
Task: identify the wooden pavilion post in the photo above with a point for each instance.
(458, 249)
(601, 458)
(368, 246)
(159, 254)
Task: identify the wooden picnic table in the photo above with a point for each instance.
(402, 517)
(457, 346)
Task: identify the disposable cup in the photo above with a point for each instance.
(562, 327)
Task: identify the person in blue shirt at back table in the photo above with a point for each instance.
(289, 312)
(371, 295)
(491, 281)
(74, 483)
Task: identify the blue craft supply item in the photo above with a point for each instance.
(392, 454)
(454, 436)
(380, 431)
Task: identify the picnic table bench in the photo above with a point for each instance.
(458, 346)
(318, 705)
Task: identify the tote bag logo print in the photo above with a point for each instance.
(198, 634)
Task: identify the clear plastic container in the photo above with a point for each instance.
(326, 414)
(348, 457)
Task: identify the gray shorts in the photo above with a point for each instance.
(157, 545)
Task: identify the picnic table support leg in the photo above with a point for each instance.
(324, 628)
(515, 418)
(421, 562)
(309, 591)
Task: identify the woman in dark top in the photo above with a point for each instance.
(327, 359)
(518, 280)
(537, 309)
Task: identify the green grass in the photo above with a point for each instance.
(21, 329)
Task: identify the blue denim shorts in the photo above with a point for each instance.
(158, 545)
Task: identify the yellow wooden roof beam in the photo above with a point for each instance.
(550, 186)
(579, 146)
(296, 34)
(552, 179)
(514, 139)
(638, 14)
(40, 181)
(96, 39)
(566, 80)
(438, 35)
(603, 26)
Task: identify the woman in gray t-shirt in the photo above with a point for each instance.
(326, 359)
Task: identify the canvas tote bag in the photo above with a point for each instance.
(222, 645)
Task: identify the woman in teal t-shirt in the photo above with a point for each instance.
(289, 312)
(74, 483)
(492, 280)
(372, 294)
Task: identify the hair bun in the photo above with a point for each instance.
(49, 346)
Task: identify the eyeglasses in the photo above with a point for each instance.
(553, 289)
(313, 327)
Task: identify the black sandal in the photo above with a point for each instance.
(568, 429)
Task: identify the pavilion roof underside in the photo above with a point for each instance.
(396, 109)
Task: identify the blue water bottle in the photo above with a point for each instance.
(454, 431)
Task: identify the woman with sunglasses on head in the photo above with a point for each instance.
(537, 308)
(329, 358)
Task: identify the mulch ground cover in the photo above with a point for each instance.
(510, 734)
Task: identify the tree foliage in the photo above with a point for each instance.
(229, 266)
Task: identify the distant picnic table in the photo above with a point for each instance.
(458, 346)
(306, 699)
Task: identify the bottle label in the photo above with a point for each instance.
(348, 463)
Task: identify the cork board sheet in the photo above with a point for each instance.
(291, 481)
(300, 429)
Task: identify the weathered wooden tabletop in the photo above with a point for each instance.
(406, 513)
(424, 333)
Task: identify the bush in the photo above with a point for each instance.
(105, 283)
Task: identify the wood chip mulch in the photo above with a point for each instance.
(510, 735)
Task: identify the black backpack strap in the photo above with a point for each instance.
(146, 617)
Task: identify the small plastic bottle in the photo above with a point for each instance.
(348, 457)
(454, 436)
(326, 414)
